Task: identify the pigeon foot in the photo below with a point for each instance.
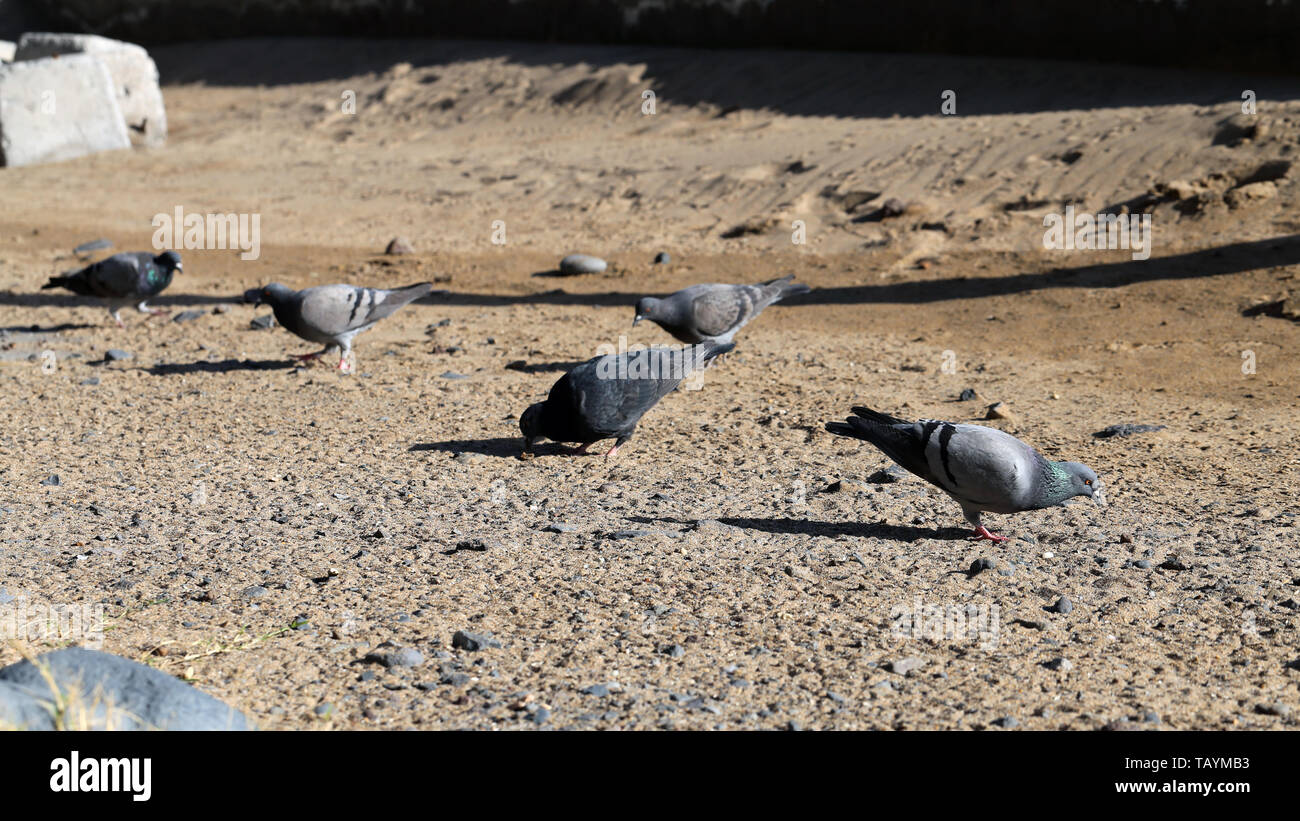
(982, 532)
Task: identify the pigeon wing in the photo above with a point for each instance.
(335, 310)
(721, 308)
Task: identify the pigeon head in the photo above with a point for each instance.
(269, 294)
(169, 260)
(646, 308)
(530, 425)
(1083, 481)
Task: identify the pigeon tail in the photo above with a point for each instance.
(713, 350)
(787, 287)
(877, 416)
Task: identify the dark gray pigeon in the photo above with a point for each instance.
(712, 312)
(605, 397)
(331, 315)
(122, 280)
(984, 469)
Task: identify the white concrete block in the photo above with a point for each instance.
(135, 77)
(7, 51)
(56, 109)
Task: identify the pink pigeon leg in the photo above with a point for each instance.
(982, 532)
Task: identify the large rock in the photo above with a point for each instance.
(135, 77)
(58, 109)
(101, 691)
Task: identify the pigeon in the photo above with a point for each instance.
(606, 397)
(713, 313)
(982, 468)
(122, 280)
(332, 314)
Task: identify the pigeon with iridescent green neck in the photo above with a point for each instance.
(984, 469)
(122, 280)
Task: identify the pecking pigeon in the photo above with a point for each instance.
(122, 280)
(713, 313)
(331, 315)
(984, 469)
(606, 397)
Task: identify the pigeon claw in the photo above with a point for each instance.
(612, 452)
(982, 532)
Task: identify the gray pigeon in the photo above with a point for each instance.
(331, 315)
(122, 280)
(606, 397)
(712, 312)
(984, 469)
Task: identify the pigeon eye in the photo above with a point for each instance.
(1087, 481)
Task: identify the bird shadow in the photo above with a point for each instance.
(53, 329)
(868, 530)
(501, 446)
(224, 366)
(541, 367)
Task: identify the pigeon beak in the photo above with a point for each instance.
(1099, 497)
(639, 317)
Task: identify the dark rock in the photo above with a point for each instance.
(542, 715)
(1126, 429)
(886, 475)
(453, 375)
(262, 323)
(254, 592)
(1006, 722)
(51, 481)
(968, 395)
(90, 380)
(557, 527)
(979, 566)
(401, 657)
(893, 207)
(116, 355)
(674, 651)
(117, 693)
(1062, 606)
(1060, 664)
(187, 316)
(399, 245)
(473, 642)
(598, 690)
(662, 258)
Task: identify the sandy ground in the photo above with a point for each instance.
(259, 528)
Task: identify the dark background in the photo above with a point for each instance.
(1236, 35)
